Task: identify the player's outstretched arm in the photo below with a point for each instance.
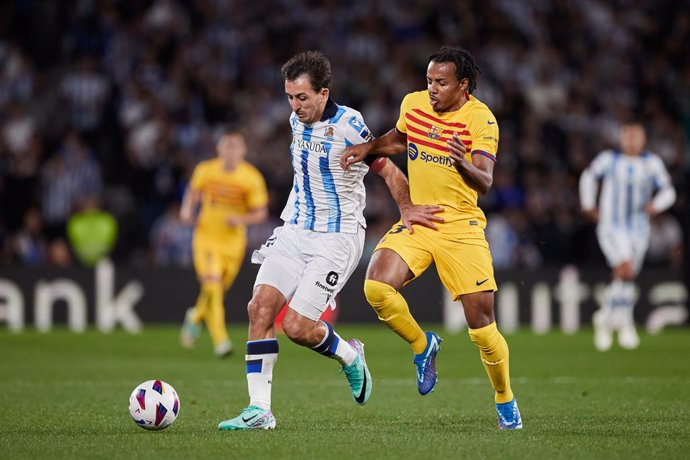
(588, 187)
(389, 144)
(253, 216)
(189, 203)
(410, 213)
(479, 174)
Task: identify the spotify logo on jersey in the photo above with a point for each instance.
(412, 151)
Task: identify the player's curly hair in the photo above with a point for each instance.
(465, 65)
(312, 63)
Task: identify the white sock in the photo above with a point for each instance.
(333, 346)
(260, 358)
(628, 299)
(613, 296)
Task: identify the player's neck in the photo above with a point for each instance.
(229, 166)
(457, 106)
(631, 154)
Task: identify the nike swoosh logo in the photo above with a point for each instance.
(432, 345)
(479, 283)
(360, 399)
(246, 420)
(491, 122)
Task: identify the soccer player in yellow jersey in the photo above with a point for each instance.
(232, 194)
(451, 139)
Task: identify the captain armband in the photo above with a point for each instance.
(376, 163)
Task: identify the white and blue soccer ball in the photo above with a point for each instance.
(154, 405)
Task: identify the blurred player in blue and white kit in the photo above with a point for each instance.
(635, 186)
(308, 259)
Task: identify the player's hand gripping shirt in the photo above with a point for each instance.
(433, 178)
(225, 194)
(324, 197)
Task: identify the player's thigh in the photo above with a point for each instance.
(207, 259)
(232, 263)
(334, 257)
(282, 261)
(616, 246)
(464, 264)
(413, 248)
(640, 245)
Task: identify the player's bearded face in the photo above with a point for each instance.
(307, 103)
(446, 93)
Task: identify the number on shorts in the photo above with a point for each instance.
(271, 240)
(398, 228)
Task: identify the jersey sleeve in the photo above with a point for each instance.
(660, 174)
(198, 177)
(257, 196)
(666, 193)
(356, 131)
(601, 164)
(401, 125)
(484, 134)
(589, 180)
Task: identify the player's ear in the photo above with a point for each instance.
(464, 84)
(324, 93)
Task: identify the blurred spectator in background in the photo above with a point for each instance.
(171, 239)
(91, 231)
(30, 246)
(71, 174)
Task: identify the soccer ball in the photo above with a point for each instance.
(154, 405)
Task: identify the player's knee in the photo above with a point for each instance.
(259, 314)
(378, 294)
(210, 282)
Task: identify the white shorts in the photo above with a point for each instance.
(620, 246)
(309, 268)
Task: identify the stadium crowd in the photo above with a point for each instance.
(118, 100)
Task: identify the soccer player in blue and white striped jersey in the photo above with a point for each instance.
(635, 186)
(308, 259)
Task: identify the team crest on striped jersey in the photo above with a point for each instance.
(329, 133)
(434, 132)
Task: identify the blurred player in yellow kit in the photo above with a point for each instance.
(232, 194)
(451, 139)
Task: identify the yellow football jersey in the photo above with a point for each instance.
(433, 179)
(225, 194)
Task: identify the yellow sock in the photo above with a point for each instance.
(392, 309)
(215, 315)
(493, 350)
(200, 306)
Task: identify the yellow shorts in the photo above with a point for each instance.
(218, 260)
(463, 261)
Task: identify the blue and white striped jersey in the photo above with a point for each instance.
(628, 184)
(324, 197)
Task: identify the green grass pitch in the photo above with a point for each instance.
(64, 395)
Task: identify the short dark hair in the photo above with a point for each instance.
(633, 119)
(465, 65)
(231, 128)
(314, 64)
(228, 130)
